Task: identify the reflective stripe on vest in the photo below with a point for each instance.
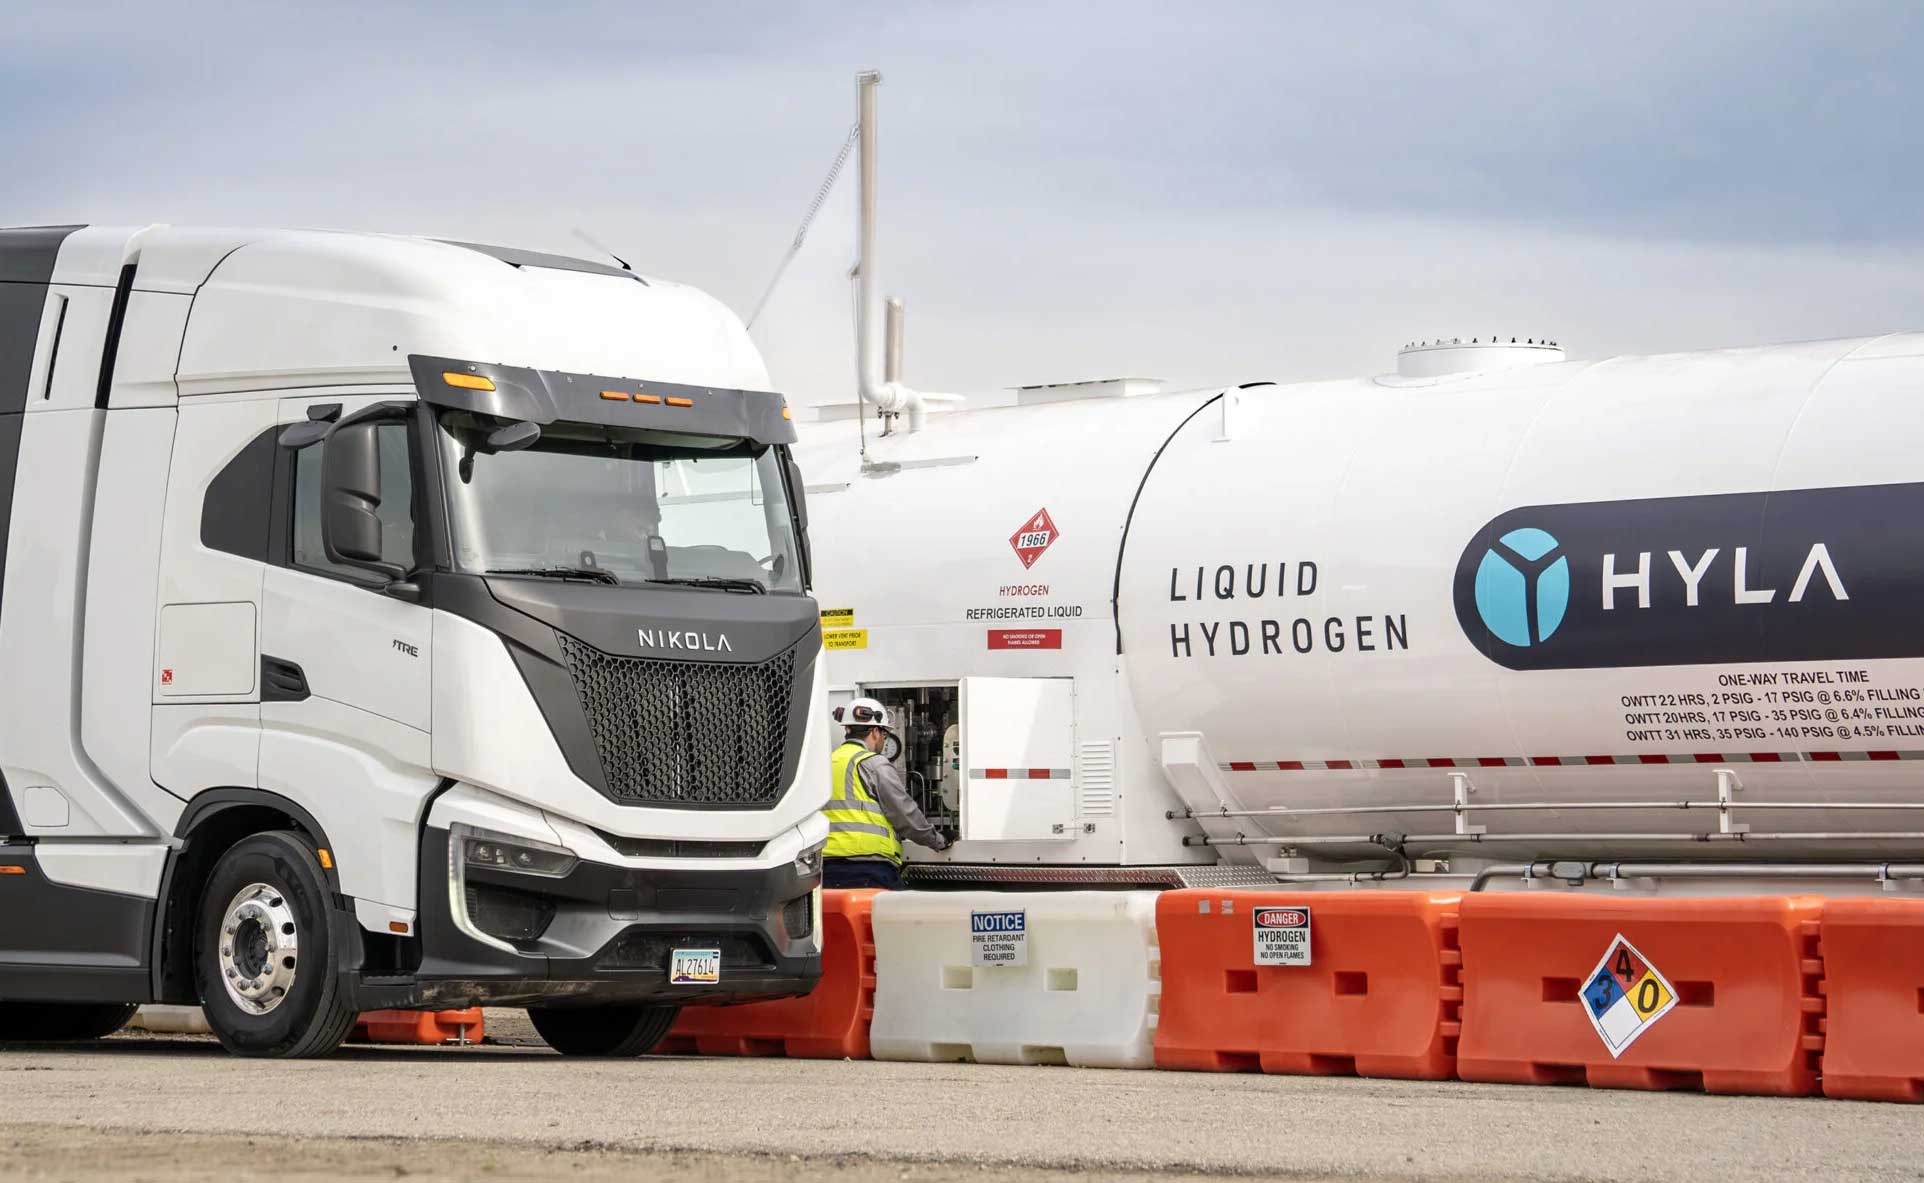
(857, 827)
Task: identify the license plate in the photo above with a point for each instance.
(694, 967)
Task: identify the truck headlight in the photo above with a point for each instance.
(502, 852)
(809, 861)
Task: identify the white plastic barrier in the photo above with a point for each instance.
(1017, 977)
(170, 1020)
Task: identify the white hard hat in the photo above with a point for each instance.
(864, 712)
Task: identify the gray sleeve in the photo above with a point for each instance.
(884, 783)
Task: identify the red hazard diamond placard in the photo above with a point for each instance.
(1034, 537)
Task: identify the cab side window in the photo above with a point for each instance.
(396, 512)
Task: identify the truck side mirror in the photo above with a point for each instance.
(351, 498)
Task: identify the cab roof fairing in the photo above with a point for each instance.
(549, 396)
(289, 309)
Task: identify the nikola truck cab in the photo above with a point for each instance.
(389, 622)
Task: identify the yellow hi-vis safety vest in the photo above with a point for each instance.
(857, 827)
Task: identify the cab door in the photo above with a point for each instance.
(346, 662)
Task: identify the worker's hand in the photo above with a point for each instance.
(937, 840)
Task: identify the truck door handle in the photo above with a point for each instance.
(282, 681)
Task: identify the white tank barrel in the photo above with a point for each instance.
(1657, 607)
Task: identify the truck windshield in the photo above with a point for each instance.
(619, 505)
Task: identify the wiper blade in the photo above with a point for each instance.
(753, 586)
(592, 574)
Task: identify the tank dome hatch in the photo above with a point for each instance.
(1441, 356)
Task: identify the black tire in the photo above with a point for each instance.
(603, 1030)
(313, 1016)
(61, 1022)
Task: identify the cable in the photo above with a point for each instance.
(801, 232)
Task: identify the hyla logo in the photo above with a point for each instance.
(1780, 575)
(1523, 587)
(1035, 536)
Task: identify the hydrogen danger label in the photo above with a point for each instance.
(998, 938)
(1035, 536)
(835, 640)
(1282, 935)
(1625, 996)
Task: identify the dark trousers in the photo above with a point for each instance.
(861, 872)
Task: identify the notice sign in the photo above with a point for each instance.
(1025, 638)
(998, 938)
(1282, 935)
(838, 618)
(843, 639)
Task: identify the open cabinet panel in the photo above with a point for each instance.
(1018, 759)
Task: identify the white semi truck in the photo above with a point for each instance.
(394, 623)
(1494, 617)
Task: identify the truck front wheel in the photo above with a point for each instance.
(265, 962)
(603, 1030)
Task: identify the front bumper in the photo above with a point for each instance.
(609, 936)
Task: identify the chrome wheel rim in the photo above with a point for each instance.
(259, 948)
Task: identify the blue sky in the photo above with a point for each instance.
(1203, 192)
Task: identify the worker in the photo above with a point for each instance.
(869, 808)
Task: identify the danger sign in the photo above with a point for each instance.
(1035, 536)
(1282, 935)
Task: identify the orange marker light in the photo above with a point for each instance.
(680, 402)
(467, 381)
(787, 414)
(327, 860)
(397, 926)
(615, 396)
(649, 398)
(12, 870)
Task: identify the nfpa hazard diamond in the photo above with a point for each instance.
(1033, 538)
(1624, 996)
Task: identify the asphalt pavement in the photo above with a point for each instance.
(998, 1118)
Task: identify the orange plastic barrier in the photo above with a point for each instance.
(1874, 991)
(1379, 997)
(1714, 994)
(831, 1023)
(420, 1026)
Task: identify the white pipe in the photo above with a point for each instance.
(1632, 870)
(882, 390)
(874, 389)
(892, 352)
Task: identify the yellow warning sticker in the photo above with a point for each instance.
(838, 618)
(847, 638)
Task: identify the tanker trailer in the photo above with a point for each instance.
(1494, 610)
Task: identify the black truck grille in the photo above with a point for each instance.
(685, 733)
